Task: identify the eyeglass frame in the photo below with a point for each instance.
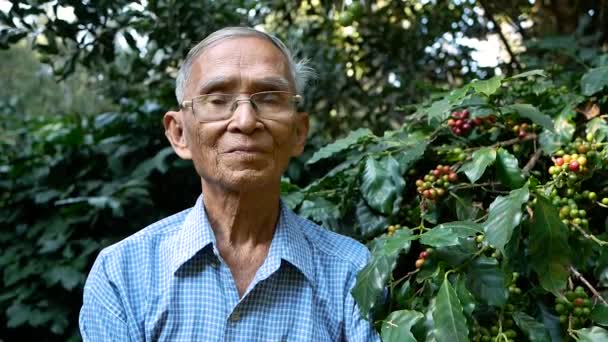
(295, 98)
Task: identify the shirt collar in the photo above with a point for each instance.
(288, 243)
(194, 235)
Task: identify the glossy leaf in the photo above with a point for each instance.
(372, 279)
(507, 169)
(339, 145)
(370, 223)
(382, 184)
(599, 128)
(534, 330)
(504, 215)
(448, 316)
(600, 314)
(464, 295)
(487, 87)
(438, 111)
(482, 158)
(594, 80)
(530, 112)
(487, 281)
(562, 134)
(548, 246)
(397, 326)
(448, 234)
(593, 334)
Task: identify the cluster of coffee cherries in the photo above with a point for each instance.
(574, 157)
(491, 251)
(513, 288)
(392, 229)
(569, 163)
(572, 212)
(455, 154)
(484, 334)
(422, 257)
(521, 129)
(574, 305)
(461, 124)
(434, 184)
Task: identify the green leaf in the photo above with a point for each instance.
(503, 216)
(507, 170)
(448, 317)
(448, 234)
(599, 128)
(548, 245)
(600, 314)
(319, 209)
(410, 155)
(535, 72)
(370, 223)
(67, 276)
(534, 330)
(438, 111)
(372, 279)
(529, 111)
(158, 162)
(594, 80)
(593, 334)
(393, 245)
(464, 208)
(549, 142)
(482, 158)
(339, 145)
(466, 298)
(17, 315)
(397, 326)
(382, 184)
(457, 254)
(489, 86)
(487, 281)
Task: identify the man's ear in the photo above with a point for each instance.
(302, 125)
(176, 133)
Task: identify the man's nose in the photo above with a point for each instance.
(244, 117)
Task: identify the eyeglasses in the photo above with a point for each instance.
(273, 105)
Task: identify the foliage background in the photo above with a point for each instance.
(84, 161)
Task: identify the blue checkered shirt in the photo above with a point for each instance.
(169, 283)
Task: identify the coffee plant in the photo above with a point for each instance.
(485, 213)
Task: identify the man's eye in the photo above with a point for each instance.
(269, 98)
(217, 101)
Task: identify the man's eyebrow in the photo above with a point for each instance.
(221, 83)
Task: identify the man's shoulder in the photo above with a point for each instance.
(148, 238)
(333, 245)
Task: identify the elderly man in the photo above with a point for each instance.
(239, 265)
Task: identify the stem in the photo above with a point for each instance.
(590, 236)
(507, 142)
(469, 186)
(409, 274)
(578, 275)
(530, 165)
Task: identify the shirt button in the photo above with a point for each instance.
(235, 317)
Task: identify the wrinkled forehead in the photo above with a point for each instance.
(247, 58)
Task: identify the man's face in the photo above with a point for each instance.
(244, 151)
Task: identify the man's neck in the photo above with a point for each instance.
(243, 224)
(241, 219)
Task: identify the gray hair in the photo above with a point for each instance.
(300, 71)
